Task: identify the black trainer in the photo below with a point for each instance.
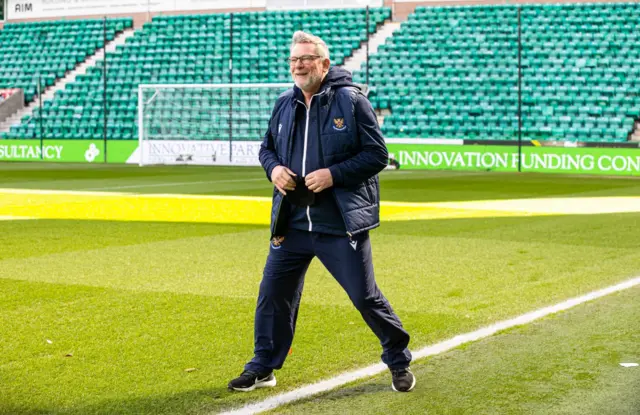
(402, 380)
(250, 380)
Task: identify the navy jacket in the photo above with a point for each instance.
(351, 147)
(306, 156)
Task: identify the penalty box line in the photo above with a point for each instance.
(435, 349)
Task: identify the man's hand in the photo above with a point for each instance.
(319, 180)
(282, 178)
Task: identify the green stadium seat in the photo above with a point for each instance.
(192, 49)
(576, 68)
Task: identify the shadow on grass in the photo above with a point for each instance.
(359, 390)
(192, 402)
(614, 230)
(448, 186)
(203, 401)
(52, 236)
(344, 395)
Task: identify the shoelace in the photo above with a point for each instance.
(399, 372)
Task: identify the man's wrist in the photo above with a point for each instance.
(270, 170)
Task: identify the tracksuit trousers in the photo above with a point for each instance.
(350, 263)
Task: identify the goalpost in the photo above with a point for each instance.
(203, 124)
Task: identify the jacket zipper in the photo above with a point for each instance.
(304, 159)
(304, 151)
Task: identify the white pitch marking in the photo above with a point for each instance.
(550, 206)
(132, 195)
(12, 191)
(332, 383)
(4, 217)
(174, 184)
(565, 206)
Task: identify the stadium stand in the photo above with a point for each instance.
(581, 71)
(49, 49)
(193, 49)
(448, 72)
(452, 72)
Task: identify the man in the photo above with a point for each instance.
(322, 151)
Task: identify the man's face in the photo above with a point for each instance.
(308, 75)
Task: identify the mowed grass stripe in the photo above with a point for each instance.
(180, 208)
(256, 210)
(565, 364)
(155, 179)
(452, 266)
(118, 206)
(403, 185)
(34, 238)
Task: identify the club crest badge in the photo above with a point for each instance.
(338, 124)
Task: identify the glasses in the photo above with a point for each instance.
(305, 59)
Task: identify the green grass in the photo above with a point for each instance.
(565, 364)
(408, 186)
(136, 304)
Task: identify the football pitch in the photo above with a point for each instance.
(127, 290)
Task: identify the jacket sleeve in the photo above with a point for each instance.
(268, 155)
(373, 156)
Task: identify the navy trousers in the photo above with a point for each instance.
(350, 263)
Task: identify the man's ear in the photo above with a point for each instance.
(326, 63)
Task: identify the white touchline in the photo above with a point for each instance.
(332, 383)
(11, 191)
(135, 186)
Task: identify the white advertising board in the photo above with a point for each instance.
(322, 4)
(30, 9)
(203, 153)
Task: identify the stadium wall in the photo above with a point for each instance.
(139, 16)
(403, 8)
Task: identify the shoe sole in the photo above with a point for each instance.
(268, 384)
(413, 384)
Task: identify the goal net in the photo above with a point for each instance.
(210, 124)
